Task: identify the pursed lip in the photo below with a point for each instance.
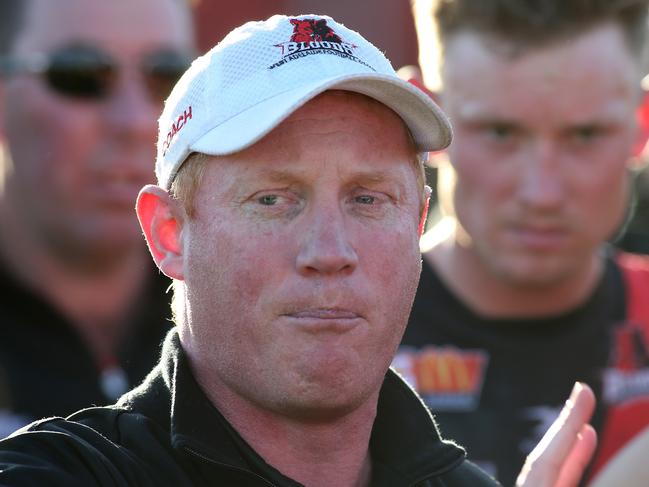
(318, 319)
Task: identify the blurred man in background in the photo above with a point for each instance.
(519, 295)
(81, 87)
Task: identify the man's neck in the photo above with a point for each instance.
(316, 455)
(474, 283)
(323, 453)
(97, 303)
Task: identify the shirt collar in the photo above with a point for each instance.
(405, 444)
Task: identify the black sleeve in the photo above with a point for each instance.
(58, 453)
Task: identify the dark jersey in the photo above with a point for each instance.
(496, 385)
(45, 367)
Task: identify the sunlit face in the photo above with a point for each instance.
(301, 261)
(79, 164)
(541, 148)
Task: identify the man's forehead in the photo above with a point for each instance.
(482, 46)
(595, 64)
(119, 25)
(342, 112)
(334, 107)
(344, 98)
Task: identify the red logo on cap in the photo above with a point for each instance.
(307, 30)
(314, 36)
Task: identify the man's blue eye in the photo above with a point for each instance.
(365, 199)
(268, 200)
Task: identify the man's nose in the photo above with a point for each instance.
(541, 183)
(131, 113)
(325, 246)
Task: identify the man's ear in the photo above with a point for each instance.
(161, 223)
(424, 212)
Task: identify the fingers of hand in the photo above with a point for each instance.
(566, 447)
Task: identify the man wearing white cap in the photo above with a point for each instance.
(288, 213)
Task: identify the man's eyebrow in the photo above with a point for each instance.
(487, 119)
(290, 176)
(278, 175)
(372, 175)
(378, 178)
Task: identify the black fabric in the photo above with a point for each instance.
(504, 380)
(45, 368)
(166, 432)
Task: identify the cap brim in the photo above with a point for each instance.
(428, 125)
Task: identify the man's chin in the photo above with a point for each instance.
(97, 246)
(324, 409)
(534, 274)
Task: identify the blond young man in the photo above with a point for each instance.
(519, 295)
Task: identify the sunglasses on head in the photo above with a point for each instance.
(91, 74)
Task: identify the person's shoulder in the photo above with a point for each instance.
(635, 272)
(634, 269)
(96, 446)
(628, 467)
(56, 451)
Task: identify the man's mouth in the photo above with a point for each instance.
(314, 320)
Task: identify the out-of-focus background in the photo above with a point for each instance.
(386, 23)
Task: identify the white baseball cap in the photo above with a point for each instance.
(262, 72)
